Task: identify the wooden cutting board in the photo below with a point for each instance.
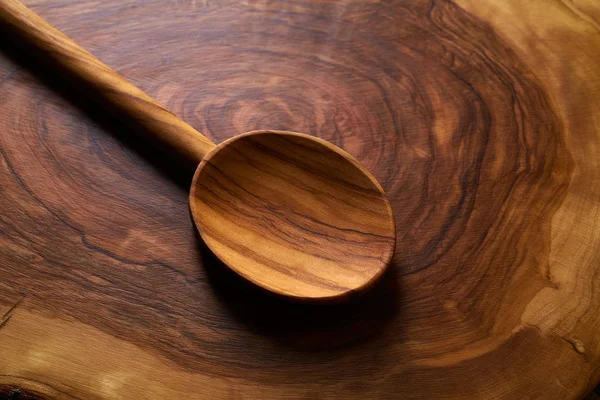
(481, 119)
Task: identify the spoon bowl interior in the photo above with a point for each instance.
(293, 214)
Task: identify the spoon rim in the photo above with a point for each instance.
(333, 298)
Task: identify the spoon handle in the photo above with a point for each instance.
(128, 101)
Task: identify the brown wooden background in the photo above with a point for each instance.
(481, 119)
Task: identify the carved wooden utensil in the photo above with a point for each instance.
(291, 213)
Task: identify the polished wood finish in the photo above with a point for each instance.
(291, 213)
(479, 118)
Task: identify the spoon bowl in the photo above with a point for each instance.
(293, 214)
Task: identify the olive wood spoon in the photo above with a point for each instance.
(289, 212)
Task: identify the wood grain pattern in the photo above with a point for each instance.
(293, 214)
(480, 119)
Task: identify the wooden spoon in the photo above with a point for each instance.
(289, 212)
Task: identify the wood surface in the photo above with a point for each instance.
(295, 215)
(290, 212)
(479, 118)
